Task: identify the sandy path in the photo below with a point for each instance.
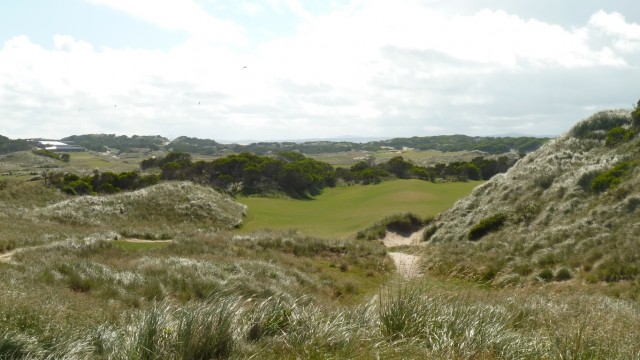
(6, 257)
(395, 239)
(406, 264)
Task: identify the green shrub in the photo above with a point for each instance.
(619, 135)
(487, 225)
(563, 274)
(546, 274)
(46, 153)
(612, 177)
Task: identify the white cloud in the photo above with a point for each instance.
(614, 24)
(374, 68)
(181, 15)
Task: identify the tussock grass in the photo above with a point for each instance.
(165, 203)
(71, 291)
(568, 213)
(406, 321)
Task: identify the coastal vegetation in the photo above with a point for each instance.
(277, 255)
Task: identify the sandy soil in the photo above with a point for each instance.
(407, 265)
(6, 257)
(394, 239)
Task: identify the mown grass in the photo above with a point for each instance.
(343, 211)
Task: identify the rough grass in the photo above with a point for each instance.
(572, 216)
(162, 204)
(400, 322)
(343, 211)
(74, 291)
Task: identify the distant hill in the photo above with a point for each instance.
(195, 145)
(101, 142)
(446, 143)
(491, 145)
(568, 210)
(8, 146)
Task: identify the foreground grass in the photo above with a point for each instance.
(75, 290)
(402, 322)
(343, 211)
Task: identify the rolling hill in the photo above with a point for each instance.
(568, 210)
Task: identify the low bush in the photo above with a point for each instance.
(563, 274)
(619, 135)
(612, 177)
(487, 225)
(400, 223)
(49, 154)
(546, 274)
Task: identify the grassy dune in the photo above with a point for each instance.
(342, 211)
(428, 157)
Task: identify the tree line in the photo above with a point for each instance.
(445, 143)
(480, 168)
(101, 142)
(8, 146)
(299, 176)
(99, 182)
(246, 173)
(290, 173)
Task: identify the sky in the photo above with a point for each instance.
(302, 69)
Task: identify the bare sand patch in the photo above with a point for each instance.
(6, 257)
(407, 265)
(394, 239)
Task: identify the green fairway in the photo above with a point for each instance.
(342, 211)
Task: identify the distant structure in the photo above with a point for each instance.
(58, 146)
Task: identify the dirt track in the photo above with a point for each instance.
(6, 257)
(406, 264)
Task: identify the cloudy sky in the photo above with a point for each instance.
(296, 69)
